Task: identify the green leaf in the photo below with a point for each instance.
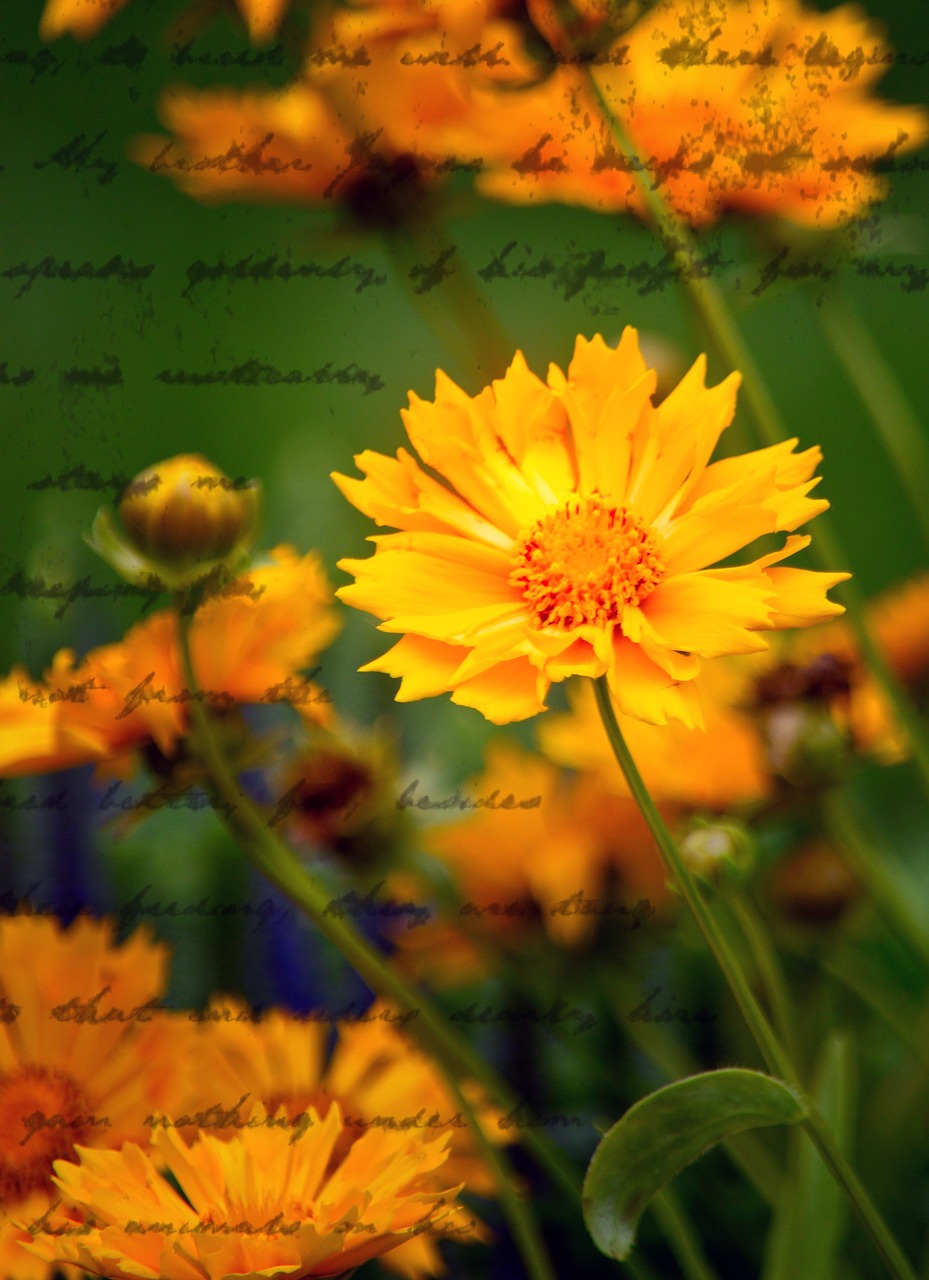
(665, 1132)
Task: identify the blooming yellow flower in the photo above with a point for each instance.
(376, 1077)
(84, 18)
(579, 532)
(256, 1204)
(249, 641)
(718, 768)
(69, 1074)
(756, 106)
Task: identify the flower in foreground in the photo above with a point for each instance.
(579, 531)
(249, 642)
(92, 1079)
(257, 1204)
(376, 1077)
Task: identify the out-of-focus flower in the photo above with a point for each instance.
(375, 1077)
(84, 18)
(718, 767)
(69, 1074)
(755, 106)
(256, 1204)
(540, 854)
(576, 534)
(364, 127)
(249, 642)
(814, 884)
(183, 521)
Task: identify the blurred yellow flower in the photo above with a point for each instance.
(755, 106)
(375, 1076)
(69, 1074)
(249, 641)
(576, 534)
(257, 1204)
(564, 855)
(84, 18)
(719, 767)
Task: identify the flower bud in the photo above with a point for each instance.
(714, 849)
(806, 746)
(182, 521)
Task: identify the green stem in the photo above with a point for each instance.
(683, 1241)
(441, 286)
(826, 549)
(771, 1051)
(897, 425)
(844, 825)
(456, 1058)
(767, 965)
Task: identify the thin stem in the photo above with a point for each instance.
(771, 1051)
(442, 287)
(767, 964)
(845, 827)
(683, 1242)
(455, 1057)
(897, 424)
(826, 549)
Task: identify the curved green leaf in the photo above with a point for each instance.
(663, 1133)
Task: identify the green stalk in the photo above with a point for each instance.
(768, 1044)
(767, 965)
(896, 423)
(844, 825)
(826, 549)
(684, 1244)
(455, 1057)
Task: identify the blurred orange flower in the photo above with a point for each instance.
(756, 106)
(69, 1074)
(84, 18)
(248, 642)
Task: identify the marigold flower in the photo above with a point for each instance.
(577, 534)
(249, 641)
(70, 1075)
(756, 106)
(375, 1076)
(84, 18)
(256, 1204)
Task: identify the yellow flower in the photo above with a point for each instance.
(68, 1074)
(717, 768)
(577, 534)
(376, 1077)
(257, 1204)
(249, 641)
(84, 18)
(754, 106)
(536, 849)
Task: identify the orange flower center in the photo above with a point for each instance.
(584, 562)
(43, 1113)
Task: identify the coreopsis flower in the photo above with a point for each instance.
(374, 1078)
(534, 854)
(576, 529)
(84, 18)
(717, 768)
(255, 1204)
(249, 643)
(363, 127)
(756, 106)
(85, 1057)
